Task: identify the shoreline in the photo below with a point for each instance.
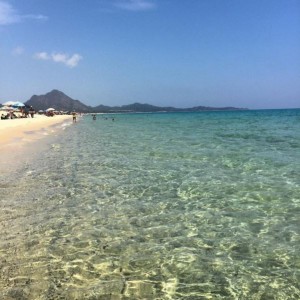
(11, 130)
(22, 139)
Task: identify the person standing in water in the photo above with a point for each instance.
(31, 111)
(74, 116)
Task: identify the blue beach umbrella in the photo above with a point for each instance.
(18, 104)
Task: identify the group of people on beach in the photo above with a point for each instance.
(25, 112)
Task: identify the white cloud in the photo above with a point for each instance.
(36, 17)
(18, 51)
(42, 56)
(135, 5)
(8, 15)
(59, 57)
(70, 61)
(73, 60)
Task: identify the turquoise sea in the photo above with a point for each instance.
(155, 206)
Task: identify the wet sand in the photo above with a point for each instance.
(20, 139)
(10, 130)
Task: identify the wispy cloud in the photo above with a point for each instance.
(70, 61)
(9, 15)
(35, 17)
(18, 51)
(42, 56)
(135, 5)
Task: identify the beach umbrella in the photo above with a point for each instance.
(6, 108)
(18, 104)
(50, 109)
(9, 103)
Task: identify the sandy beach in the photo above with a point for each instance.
(18, 137)
(10, 130)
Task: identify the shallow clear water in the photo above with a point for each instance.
(157, 206)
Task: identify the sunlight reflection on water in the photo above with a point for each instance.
(177, 206)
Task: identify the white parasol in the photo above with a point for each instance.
(8, 103)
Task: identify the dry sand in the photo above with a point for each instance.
(18, 137)
(10, 130)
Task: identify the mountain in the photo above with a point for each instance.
(58, 100)
(135, 107)
(138, 107)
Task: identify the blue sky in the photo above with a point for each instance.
(182, 53)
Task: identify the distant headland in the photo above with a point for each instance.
(62, 102)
